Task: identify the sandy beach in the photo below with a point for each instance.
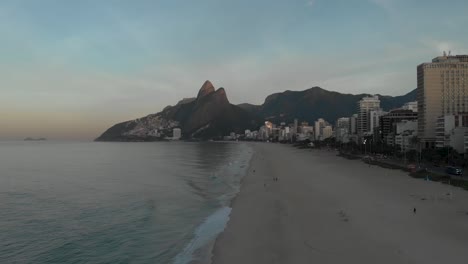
(327, 209)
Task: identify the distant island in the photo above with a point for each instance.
(210, 115)
(35, 139)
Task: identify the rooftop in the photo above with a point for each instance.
(450, 58)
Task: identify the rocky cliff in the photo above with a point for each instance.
(210, 115)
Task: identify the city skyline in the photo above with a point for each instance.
(69, 69)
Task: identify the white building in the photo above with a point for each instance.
(365, 105)
(248, 134)
(405, 132)
(343, 129)
(451, 130)
(458, 138)
(374, 119)
(406, 125)
(176, 133)
(262, 133)
(343, 122)
(405, 140)
(327, 132)
(319, 125)
(306, 132)
(413, 106)
(342, 135)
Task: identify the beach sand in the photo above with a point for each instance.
(327, 209)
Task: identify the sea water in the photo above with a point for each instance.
(71, 202)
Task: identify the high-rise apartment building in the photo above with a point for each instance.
(319, 125)
(442, 90)
(353, 124)
(343, 122)
(342, 129)
(374, 120)
(365, 105)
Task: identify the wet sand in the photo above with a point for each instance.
(326, 209)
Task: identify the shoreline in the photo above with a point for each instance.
(327, 209)
(211, 246)
(204, 254)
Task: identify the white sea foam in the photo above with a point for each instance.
(204, 234)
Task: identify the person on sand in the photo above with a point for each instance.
(414, 210)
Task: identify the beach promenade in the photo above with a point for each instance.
(327, 209)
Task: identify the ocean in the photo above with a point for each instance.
(89, 202)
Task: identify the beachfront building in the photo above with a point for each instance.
(306, 132)
(442, 90)
(365, 106)
(388, 121)
(343, 129)
(262, 133)
(403, 135)
(250, 135)
(451, 130)
(413, 106)
(342, 135)
(405, 141)
(374, 120)
(319, 125)
(294, 127)
(327, 132)
(176, 133)
(285, 134)
(405, 131)
(322, 129)
(343, 122)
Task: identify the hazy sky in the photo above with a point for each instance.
(70, 69)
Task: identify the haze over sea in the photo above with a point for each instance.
(68, 202)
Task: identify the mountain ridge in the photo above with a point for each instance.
(211, 115)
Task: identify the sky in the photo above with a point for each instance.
(71, 69)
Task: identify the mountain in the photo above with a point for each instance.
(209, 115)
(314, 103)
